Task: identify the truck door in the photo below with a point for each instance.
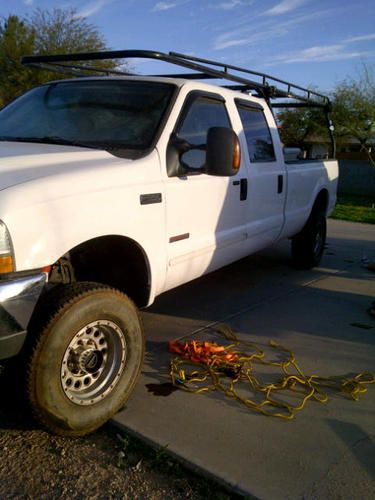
(267, 175)
(206, 215)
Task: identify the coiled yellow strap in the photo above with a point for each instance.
(207, 366)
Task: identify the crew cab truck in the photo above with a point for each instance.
(116, 188)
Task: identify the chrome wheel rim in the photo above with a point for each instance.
(93, 362)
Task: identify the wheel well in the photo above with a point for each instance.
(321, 202)
(111, 260)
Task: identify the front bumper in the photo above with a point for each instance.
(18, 298)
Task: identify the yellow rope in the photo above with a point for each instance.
(227, 377)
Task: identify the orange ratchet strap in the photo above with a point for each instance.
(208, 353)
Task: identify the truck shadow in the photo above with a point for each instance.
(360, 444)
(14, 411)
(288, 299)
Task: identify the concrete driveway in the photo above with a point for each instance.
(328, 451)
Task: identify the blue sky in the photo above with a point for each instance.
(304, 41)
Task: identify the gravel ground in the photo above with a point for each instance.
(104, 465)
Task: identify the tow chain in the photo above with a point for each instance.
(207, 366)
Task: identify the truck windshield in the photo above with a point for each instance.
(99, 114)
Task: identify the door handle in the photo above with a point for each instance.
(243, 189)
(280, 184)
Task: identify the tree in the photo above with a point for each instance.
(354, 111)
(16, 40)
(299, 124)
(44, 32)
(63, 31)
(353, 114)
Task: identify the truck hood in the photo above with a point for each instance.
(22, 162)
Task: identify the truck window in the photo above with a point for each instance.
(104, 114)
(257, 133)
(197, 117)
(304, 133)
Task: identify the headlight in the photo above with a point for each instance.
(6, 254)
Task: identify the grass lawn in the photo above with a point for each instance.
(355, 209)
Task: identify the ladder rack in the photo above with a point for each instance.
(268, 86)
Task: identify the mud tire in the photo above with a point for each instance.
(308, 245)
(64, 313)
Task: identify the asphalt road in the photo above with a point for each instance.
(327, 451)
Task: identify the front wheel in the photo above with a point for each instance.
(308, 245)
(86, 359)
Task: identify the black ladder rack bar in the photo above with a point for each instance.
(186, 76)
(265, 77)
(94, 56)
(199, 65)
(296, 105)
(124, 54)
(76, 69)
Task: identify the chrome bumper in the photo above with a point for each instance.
(18, 298)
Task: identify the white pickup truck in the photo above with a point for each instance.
(116, 188)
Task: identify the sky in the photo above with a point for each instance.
(307, 42)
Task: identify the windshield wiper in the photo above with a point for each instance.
(51, 140)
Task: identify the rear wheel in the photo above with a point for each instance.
(308, 245)
(86, 359)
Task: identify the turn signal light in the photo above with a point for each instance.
(236, 155)
(6, 264)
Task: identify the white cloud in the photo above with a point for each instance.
(93, 7)
(231, 4)
(320, 52)
(361, 38)
(28, 2)
(164, 6)
(161, 6)
(323, 53)
(284, 7)
(265, 30)
(340, 51)
(232, 39)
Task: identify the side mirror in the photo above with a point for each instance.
(223, 153)
(177, 147)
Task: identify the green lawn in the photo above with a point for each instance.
(355, 209)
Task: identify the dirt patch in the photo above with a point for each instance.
(106, 464)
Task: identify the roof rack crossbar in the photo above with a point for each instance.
(76, 70)
(65, 70)
(265, 77)
(203, 67)
(186, 76)
(310, 104)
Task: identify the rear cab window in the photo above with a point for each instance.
(257, 133)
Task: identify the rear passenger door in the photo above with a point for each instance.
(267, 175)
